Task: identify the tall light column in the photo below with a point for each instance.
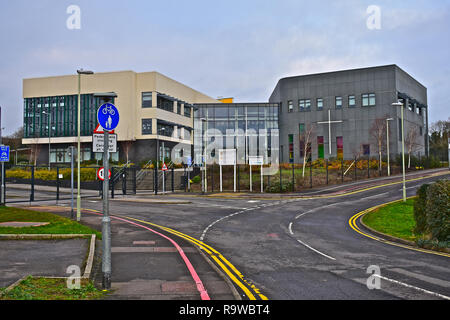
(387, 144)
(80, 72)
(399, 104)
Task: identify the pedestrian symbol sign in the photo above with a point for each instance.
(164, 167)
(108, 116)
(4, 153)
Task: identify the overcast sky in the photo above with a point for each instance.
(236, 48)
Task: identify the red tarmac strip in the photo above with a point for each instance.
(200, 287)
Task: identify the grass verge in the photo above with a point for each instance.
(58, 224)
(51, 289)
(395, 219)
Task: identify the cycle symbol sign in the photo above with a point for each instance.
(108, 116)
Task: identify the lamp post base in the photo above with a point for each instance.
(106, 283)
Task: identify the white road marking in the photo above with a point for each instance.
(413, 287)
(321, 253)
(290, 228)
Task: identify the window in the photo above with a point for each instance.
(187, 110)
(164, 103)
(368, 99)
(290, 106)
(291, 148)
(351, 101)
(421, 131)
(165, 129)
(320, 148)
(338, 102)
(146, 126)
(304, 105)
(418, 110)
(319, 103)
(400, 129)
(340, 147)
(146, 99)
(366, 149)
(410, 106)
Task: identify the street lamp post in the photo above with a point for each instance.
(49, 113)
(205, 177)
(80, 72)
(399, 104)
(158, 155)
(387, 144)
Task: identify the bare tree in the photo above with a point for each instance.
(306, 138)
(126, 145)
(378, 134)
(411, 142)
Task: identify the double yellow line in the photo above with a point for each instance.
(353, 224)
(218, 258)
(224, 264)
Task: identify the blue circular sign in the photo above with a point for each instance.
(108, 116)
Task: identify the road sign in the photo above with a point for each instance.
(164, 167)
(98, 140)
(4, 153)
(189, 161)
(108, 116)
(101, 173)
(256, 160)
(99, 130)
(227, 157)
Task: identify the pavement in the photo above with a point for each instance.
(20, 258)
(145, 263)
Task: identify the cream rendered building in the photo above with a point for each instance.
(152, 107)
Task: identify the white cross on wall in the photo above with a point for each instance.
(329, 122)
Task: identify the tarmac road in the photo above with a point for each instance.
(301, 248)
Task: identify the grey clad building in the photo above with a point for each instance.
(344, 114)
(340, 114)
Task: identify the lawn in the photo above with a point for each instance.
(58, 224)
(395, 219)
(51, 289)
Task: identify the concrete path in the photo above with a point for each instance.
(19, 258)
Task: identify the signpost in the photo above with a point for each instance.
(71, 151)
(256, 161)
(101, 174)
(227, 157)
(98, 141)
(164, 169)
(108, 118)
(4, 157)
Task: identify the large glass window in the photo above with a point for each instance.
(146, 99)
(221, 112)
(164, 103)
(290, 106)
(165, 129)
(187, 110)
(146, 126)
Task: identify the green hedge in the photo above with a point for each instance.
(420, 213)
(86, 174)
(432, 211)
(438, 210)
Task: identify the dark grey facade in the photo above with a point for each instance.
(360, 99)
